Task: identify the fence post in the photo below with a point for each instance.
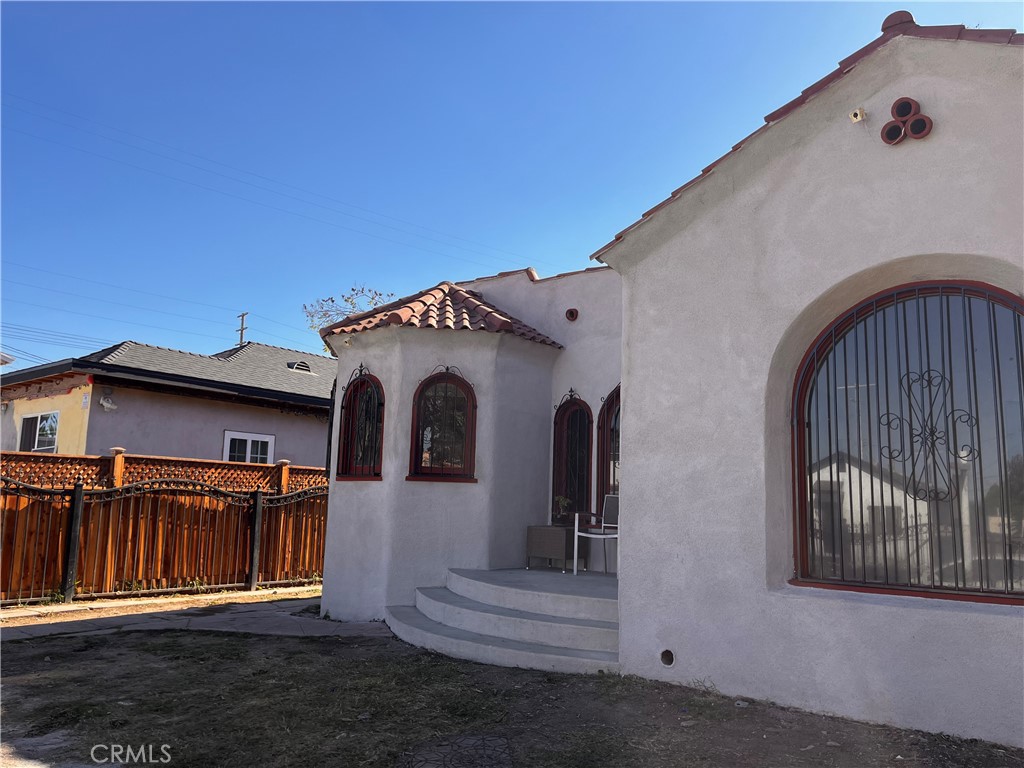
(256, 519)
(73, 533)
(282, 476)
(117, 471)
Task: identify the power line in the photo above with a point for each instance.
(249, 200)
(257, 175)
(254, 185)
(112, 319)
(22, 354)
(46, 333)
(144, 293)
(136, 307)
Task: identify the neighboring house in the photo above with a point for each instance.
(831, 311)
(5, 359)
(253, 403)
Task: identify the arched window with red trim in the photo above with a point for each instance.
(444, 429)
(909, 453)
(608, 421)
(361, 436)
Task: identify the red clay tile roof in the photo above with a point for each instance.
(447, 305)
(899, 23)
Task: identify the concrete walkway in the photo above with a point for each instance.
(288, 616)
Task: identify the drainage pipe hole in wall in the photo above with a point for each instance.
(668, 658)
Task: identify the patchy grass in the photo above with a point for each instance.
(229, 700)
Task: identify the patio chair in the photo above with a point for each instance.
(602, 527)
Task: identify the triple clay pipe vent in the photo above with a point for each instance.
(907, 120)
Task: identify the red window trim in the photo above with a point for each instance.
(798, 457)
(346, 428)
(963, 597)
(440, 479)
(429, 474)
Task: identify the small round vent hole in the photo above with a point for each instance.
(668, 658)
(571, 314)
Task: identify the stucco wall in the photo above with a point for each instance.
(386, 538)
(156, 424)
(724, 290)
(590, 363)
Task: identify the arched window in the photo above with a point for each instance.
(608, 448)
(361, 436)
(444, 429)
(909, 454)
(570, 487)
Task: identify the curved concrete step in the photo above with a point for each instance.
(410, 625)
(586, 596)
(445, 607)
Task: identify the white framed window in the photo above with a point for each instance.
(39, 432)
(248, 447)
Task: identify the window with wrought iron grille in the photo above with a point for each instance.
(570, 487)
(361, 435)
(909, 452)
(39, 433)
(444, 429)
(608, 448)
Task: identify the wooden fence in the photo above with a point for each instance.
(155, 536)
(52, 470)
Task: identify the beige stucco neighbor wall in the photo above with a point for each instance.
(157, 424)
(70, 397)
(724, 290)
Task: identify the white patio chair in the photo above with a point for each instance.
(602, 527)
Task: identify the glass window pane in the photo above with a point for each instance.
(259, 451)
(238, 449)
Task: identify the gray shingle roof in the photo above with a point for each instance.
(249, 365)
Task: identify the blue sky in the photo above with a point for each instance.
(169, 165)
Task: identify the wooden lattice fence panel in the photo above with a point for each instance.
(54, 470)
(228, 476)
(300, 478)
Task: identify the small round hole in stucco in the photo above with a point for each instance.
(668, 658)
(571, 314)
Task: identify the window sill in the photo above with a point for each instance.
(900, 592)
(438, 479)
(357, 478)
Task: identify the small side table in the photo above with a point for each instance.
(553, 542)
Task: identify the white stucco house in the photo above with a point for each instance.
(816, 351)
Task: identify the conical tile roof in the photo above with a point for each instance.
(446, 306)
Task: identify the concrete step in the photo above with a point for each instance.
(585, 596)
(445, 607)
(408, 623)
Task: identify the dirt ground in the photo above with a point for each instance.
(84, 609)
(241, 700)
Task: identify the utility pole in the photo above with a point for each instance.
(242, 328)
